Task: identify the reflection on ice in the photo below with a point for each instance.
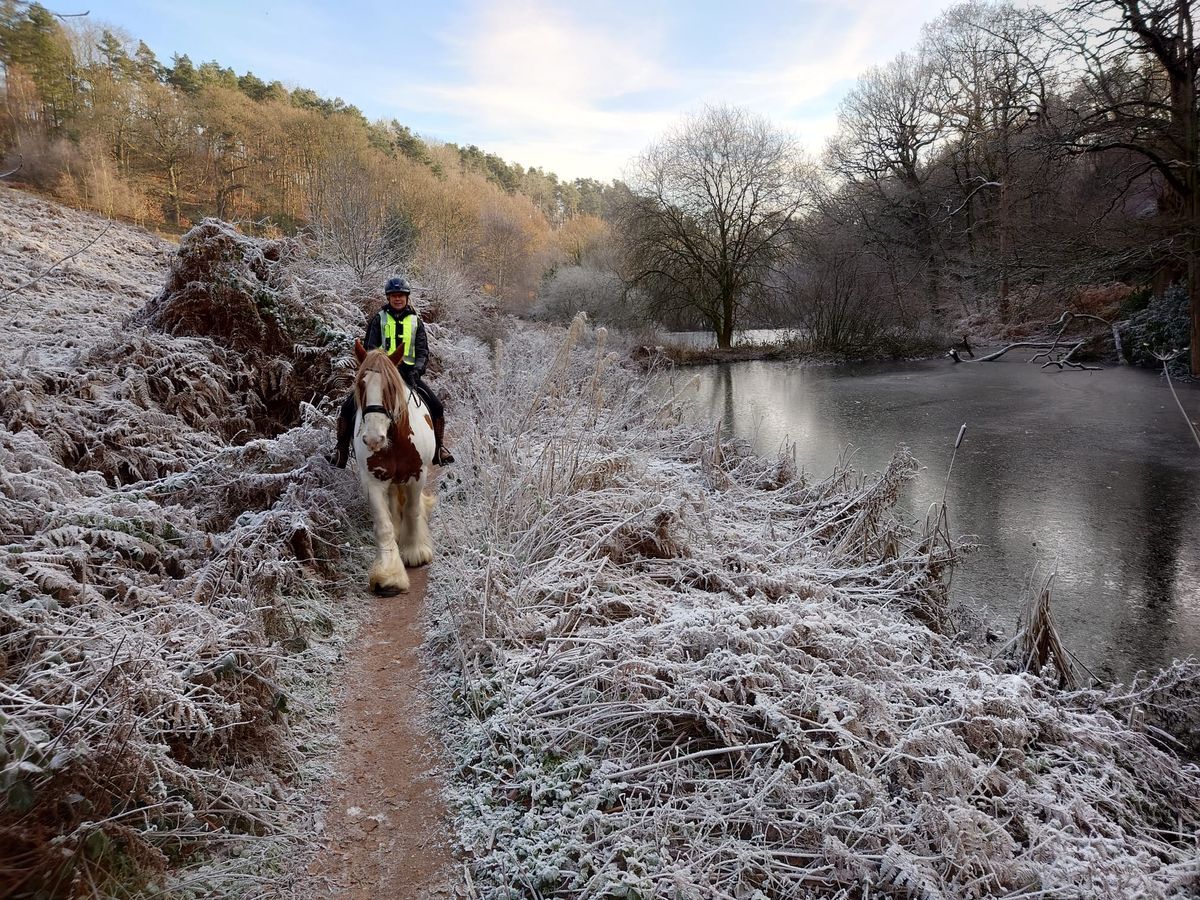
(1093, 473)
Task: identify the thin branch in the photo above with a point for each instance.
(967, 199)
(1171, 385)
(51, 268)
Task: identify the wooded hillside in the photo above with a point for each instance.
(95, 118)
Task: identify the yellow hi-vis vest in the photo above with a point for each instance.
(408, 335)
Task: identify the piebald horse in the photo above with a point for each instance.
(393, 446)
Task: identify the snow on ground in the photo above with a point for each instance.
(676, 669)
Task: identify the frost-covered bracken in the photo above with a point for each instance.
(173, 580)
(68, 305)
(676, 669)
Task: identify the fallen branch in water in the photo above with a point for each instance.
(1064, 321)
(1032, 345)
(1048, 349)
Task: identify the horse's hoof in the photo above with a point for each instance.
(417, 560)
(388, 590)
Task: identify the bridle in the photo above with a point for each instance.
(378, 409)
(381, 410)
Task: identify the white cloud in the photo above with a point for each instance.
(581, 95)
(544, 89)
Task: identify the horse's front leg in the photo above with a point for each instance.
(417, 546)
(387, 576)
(406, 526)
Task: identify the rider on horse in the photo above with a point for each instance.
(397, 324)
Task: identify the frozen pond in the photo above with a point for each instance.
(1093, 474)
(706, 340)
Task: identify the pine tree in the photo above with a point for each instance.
(146, 64)
(119, 63)
(34, 43)
(183, 74)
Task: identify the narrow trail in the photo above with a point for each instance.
(387, 829)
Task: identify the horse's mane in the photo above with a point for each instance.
(395, 397)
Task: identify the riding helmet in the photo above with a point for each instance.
(397, 286)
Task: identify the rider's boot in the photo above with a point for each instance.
(441, 456)
(341, 454)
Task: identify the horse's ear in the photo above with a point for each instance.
(359, 350)
(397, 355)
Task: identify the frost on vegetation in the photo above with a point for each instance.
(71, 304)
(1162, 328)
(677, 669)
(172, 580)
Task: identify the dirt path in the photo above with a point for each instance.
(386, 834)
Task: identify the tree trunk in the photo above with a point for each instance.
(1004, 283)
(926, 251)
(725, 334)
(1194, 282)
(175, 206)
(1192, 180)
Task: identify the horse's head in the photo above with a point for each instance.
(380, 394)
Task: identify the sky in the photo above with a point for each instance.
(575, 88)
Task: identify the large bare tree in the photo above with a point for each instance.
(708, 214)
(890, 136)
(355, 222)
(1140, 97)
(993, 70)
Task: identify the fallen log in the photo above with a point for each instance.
(1055, 351)
(1032, 345)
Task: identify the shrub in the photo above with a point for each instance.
(1159, 328)
(573, 289)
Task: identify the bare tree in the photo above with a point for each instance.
(169, 140)
(890, 133)
(993, 72)
(709, 210)
(510, 228)
(833, 290)
(1140, 97)
(355, 223)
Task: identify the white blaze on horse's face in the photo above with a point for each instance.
(375, 426)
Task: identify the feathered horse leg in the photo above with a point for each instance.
(416, 545)
(387, 576)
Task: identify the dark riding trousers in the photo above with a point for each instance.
(427, 396)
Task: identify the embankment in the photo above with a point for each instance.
(677, 669)
(175, 586)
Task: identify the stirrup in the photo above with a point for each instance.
(338, 458)
(442, 457)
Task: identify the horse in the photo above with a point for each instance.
(393, 449)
